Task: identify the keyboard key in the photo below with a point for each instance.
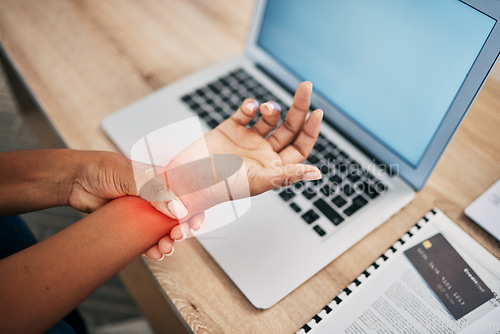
(287, 194)
(186, 98)
(347, 190)
(324, 169)
(319, 230)
(359, 187)
(220, 111)
(295, 207)
(380, 187)
(326, 190)
(203, 114)
(357, 203)
(213, 123)
(353, 176)
(330, 157)
(356, 168)
(319, 147)
(310, 216)
(316, 182)
(351, 210)
(370, 191)
(336, 180)
(328, 211)
(342, 168)
(313, 159)
(212, 104)
(339, 201)
(214, 88)
(299, 185)
(309, 193)
(194, 106)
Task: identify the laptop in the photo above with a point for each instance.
(394, 78)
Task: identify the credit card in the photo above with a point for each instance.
(453, 281)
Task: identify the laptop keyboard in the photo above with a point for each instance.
(323, 204)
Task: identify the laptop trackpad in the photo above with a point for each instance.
(258, 251)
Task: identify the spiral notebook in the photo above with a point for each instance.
(434, 279)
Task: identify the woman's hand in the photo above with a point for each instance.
(104, 176)
(271, 155)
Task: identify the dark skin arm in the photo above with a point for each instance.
(85, 180)
(36, 179)
(41, 284)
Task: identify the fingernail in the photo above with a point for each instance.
(250, 106)
(197, 229)
(170, 253)
(184, 236)
(269, 106)
(177, 208)
(309, 176)
(162, 257)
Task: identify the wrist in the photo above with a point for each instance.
(69, 165)
(99, 178)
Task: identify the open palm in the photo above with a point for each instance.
(271, 154)
(271, 160)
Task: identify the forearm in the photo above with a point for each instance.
(35, 179)
(41, 284)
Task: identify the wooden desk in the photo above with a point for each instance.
(83, 60)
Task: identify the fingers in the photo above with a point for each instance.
(154, 253)
(166, 246)
(270, 118)
(246, 112)
(294, 120)
(283, 176)
(162, 198)
(303, 145)
(173, 209)
(179, 232)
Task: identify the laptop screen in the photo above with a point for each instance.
(392, 66)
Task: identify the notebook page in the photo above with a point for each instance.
(396, 299)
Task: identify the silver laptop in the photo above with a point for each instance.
(394, 78)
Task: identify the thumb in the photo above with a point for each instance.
(162, 198)
(283, 176)
(173, 208)
(150, 183)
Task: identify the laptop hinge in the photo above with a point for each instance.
(273, 78)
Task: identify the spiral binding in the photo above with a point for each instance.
(309, 326)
